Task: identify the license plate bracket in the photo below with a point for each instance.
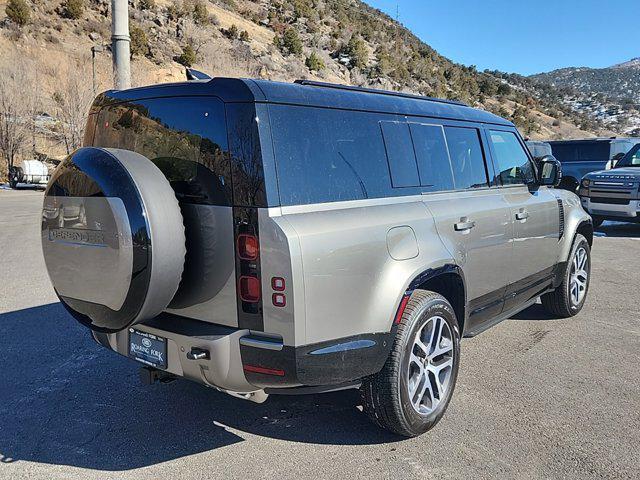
(148, 348)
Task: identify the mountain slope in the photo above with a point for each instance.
(343, 41)
(611, 95)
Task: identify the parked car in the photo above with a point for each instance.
(31, 172)
(579, 157)
(272, 238)
(614, 194)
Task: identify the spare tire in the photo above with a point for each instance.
(113, 238)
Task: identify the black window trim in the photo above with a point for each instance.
(488, 129)
(484, 146)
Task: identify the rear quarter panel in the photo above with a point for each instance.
(352, 284)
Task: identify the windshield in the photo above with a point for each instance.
(631, 159)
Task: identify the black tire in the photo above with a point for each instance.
(597, 221)
(385, 395)
(559, 302)
(13, 177)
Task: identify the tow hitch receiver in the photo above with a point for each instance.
(150, 375)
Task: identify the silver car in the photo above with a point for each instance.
(273, 238)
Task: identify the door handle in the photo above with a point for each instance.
(522, 215)
(464, 225)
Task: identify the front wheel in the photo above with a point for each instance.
(568, 299)
(412, 391)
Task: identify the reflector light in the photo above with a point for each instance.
(279, 300)
(403, 305)
(249, 288)
(277, 283)
(264, 370)
(248, 247)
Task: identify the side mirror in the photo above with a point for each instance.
(549, 171)
(616, 158)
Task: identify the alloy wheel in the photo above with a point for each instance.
(579, 276)
(430, 365)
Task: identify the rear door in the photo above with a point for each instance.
(471, 217)
(534, 214)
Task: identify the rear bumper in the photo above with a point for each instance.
(628, 211)
(240, 361)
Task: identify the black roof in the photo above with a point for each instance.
(309, 94)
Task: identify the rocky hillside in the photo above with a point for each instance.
(610, 95)
(47, 60)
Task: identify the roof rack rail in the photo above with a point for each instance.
(337, 86)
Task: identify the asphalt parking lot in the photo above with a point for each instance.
(536, 397)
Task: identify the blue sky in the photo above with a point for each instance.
(524, 36)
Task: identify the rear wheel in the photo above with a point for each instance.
(568, 299)
(412, 391)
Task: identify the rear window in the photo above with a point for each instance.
(592, 151)
(184, 136)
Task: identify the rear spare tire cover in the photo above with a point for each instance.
(112, 237)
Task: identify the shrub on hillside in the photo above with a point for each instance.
(18, 12)
(290, 42)
(73, 9)
(187, 57)
(139, 42)
(357, 50)
(231, 33)
(314, 62)
(244, 36)
(200, 13)
(147, 4)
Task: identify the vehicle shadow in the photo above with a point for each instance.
(534, 312)
(618, 229)
(67, 401)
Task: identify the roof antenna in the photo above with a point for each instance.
(196, 74)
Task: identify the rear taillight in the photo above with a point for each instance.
(248, 247)
(249, 288)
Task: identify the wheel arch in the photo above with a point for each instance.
(585, 228)
(447, 280)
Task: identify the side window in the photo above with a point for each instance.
(400, 155)
(467, 158)
(329, 155)
(433, 158)
(512, 161)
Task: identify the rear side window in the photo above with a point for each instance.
(327, 155)
(467, 158)
(590, 151)
(514, 167)
(400, 154)
(432, 157)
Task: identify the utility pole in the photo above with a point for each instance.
(120, 43)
